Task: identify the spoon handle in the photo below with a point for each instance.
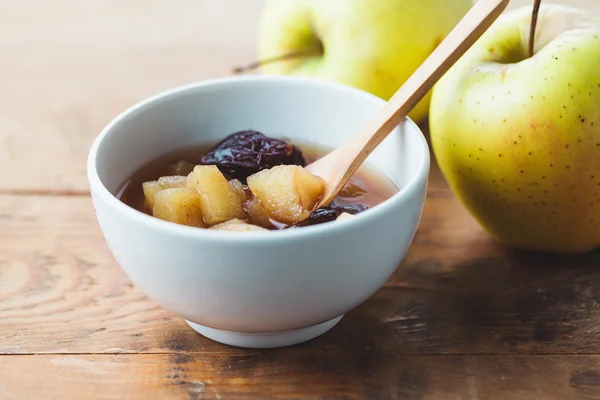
(340, 164)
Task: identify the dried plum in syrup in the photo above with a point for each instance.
(330, 213)
(244, 153)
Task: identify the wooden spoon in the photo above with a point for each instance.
(340, 164)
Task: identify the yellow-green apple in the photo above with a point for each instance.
(374, 45)
(518, 136)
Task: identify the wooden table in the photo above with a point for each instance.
(462, 318)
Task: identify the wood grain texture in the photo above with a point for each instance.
(462, 318)
(68, 67)
(457, 292)
(279, 375)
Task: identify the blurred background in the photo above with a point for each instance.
(68, 66)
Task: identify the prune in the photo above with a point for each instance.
(330, 213)
(351, 208)
(244, 153)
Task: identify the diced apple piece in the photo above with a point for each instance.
(310, 188)
(288, 192)
(237, 225)
(179, 205)
(344, 215)
(241, 190)
(218, 201)
(234, 221)
(257, 213)
(175, 181)
(150, 188)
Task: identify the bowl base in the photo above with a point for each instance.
(265, 340)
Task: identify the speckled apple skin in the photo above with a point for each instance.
(519, 141)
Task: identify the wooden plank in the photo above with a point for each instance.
(457, 292)
(283, 375)
(74, 65)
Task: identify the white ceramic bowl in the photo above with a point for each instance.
(257, 289)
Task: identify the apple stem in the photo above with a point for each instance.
(283, 57)
(534, 17)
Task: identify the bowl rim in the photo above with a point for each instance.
(100, 191)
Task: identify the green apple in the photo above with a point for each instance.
(373, 45)
(518, 137)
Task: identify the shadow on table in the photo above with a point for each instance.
(519, 302)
